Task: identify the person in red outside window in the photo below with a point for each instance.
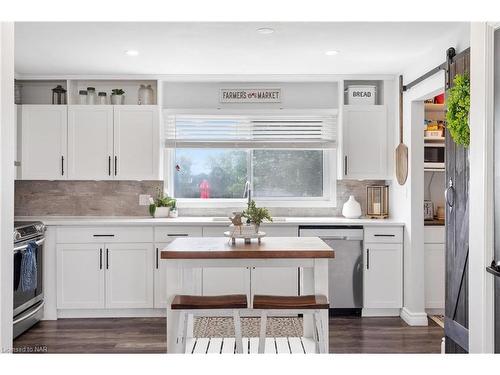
(204, 189)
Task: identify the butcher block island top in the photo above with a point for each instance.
(270, 247)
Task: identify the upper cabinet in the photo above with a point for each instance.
(136, 142)
(80, 142)
(43, 133)
(365, 142)
(367, 129)
(90, 142)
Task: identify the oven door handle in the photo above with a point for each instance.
(21, 248)
(30, 314)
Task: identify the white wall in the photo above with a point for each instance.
(6, 182)
(408, 199)
(294, 95)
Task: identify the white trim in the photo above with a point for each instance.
(481, 220)
(7, 174)
(110, 313)
(380, 312)
(414, 319)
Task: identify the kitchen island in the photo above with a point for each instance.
(184, 255)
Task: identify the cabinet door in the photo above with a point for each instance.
(383, 275)
(136, 142)
(44, 142)
(129, 275)
(365, 142)
(224, 280)
(90, 142)
(434, 254)
(276, 280)
(80, 276)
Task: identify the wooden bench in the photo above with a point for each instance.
(225, 305)
(275, 305)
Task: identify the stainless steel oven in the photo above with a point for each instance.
(434, 155)
(28, 302)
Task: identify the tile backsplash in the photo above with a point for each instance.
(121, 198)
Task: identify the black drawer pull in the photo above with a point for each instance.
(156, 258)
(104, 235)
(384, 235)
(107, 258)
(177, 235)
(100, 259)
(367, 259)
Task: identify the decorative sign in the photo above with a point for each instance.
(250, 95)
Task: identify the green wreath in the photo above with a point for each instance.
(457, 114)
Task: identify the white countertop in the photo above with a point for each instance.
(202, 220)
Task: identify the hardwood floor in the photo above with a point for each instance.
(147, 335)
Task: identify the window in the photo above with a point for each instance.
(287, 160)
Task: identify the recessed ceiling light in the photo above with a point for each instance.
(265, 30)
(131, 52)
(331, 53)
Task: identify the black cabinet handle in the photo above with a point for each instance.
(103, 235)
(367, 259)
(156, 258)
(384, 235)
(107, 258)
(100, 259)
(345, 165)
(116, 165)
(62, 165)
(109, 165)
(177, 235)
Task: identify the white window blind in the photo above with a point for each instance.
(308, 131)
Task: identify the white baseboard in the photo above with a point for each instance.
(414, 319)
(435, 311)
(380, 312)
(111, 313)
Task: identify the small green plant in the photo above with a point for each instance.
(256, 215)
(457, 114)
(117, 92)
(161, 200)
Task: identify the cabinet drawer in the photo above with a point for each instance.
(104, 234)
(434, 234)
(165, 234)
(383, 234)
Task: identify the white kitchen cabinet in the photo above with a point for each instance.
(364, 142)
(435, 259)
(90, 142)
(129, 275)
(136, 142)
(80, 276)
(43, 132)
(383, 276)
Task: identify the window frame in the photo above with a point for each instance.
(330, 165)
(329, 198)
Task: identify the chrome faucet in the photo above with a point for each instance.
(247, 192)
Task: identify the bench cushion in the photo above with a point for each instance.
(290, 302)
(190, 302)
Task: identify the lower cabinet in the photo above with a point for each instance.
(91, 276)
(129, 276)
(435, 260)
(383, 275)
(80, 276)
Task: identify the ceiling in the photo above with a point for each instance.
(66, 48)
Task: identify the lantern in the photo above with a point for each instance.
(377, 201)
(59, 95)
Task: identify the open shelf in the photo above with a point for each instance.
(432, 107)
(38, 91)
(434, 139)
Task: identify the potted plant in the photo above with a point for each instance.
(160, 207)
(173, 208)
(117, 97)
(256, 215)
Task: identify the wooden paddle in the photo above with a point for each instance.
(401, 150)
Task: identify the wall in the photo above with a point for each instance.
(7, 139)
(407, 200)
(121, 198)
(294, 95)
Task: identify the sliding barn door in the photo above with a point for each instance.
(457, 228)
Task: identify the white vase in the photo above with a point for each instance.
(352, 208)
(162, 212)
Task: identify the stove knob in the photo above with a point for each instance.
(40, 228)
(17, 236)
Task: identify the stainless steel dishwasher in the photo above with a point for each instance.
(345, 271)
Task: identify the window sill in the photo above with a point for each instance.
(237, 203)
